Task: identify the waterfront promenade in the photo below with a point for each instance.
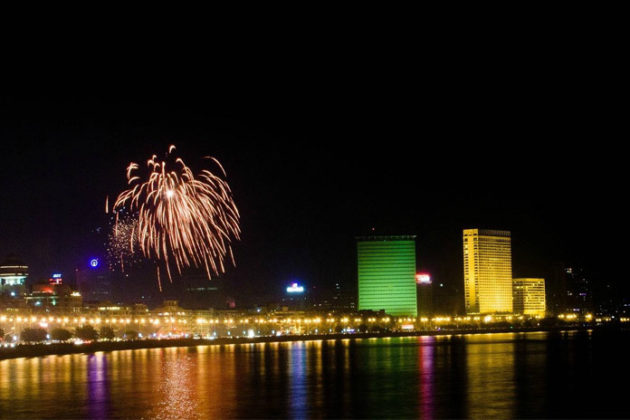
(45, 349)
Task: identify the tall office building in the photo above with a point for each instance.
(529, 297)
(571, 290)
(94, 282)
(487, 271)
(387, 274)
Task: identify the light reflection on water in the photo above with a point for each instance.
(298, 389)
(472, 376)
(490, 380)
(97, 384)
(177, 387)
(425, 360)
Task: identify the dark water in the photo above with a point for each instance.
(572, 374)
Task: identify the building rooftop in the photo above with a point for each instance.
(386, 238)
(489, 232)
(12, 260)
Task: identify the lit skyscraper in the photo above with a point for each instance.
(387, 274)
(529, 297)
(487, 271)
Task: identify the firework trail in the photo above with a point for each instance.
(182, 220)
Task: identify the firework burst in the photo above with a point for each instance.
(122, 241)
(182, 220)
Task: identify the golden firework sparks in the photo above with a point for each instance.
(182, 220)
(122, 241)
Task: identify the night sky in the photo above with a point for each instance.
(312, 169)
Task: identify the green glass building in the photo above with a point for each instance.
(387, 274)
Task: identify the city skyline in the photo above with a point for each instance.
(390, 220)
(304, 196)
(386, 281)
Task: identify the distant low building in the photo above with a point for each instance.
(54, 300)
(337, 299)
(13, 275)
(529, 297)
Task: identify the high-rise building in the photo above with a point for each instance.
(195, 290)
(94, 282)
(571, 289)
(425, 294)
(529, 297)
(296, 297)
(575, 291)
(487, 271)
(387, 274)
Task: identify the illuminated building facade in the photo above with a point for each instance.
(529, 297)
(53, 298)
(487, 271)
(387, 274)
(13, 275)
